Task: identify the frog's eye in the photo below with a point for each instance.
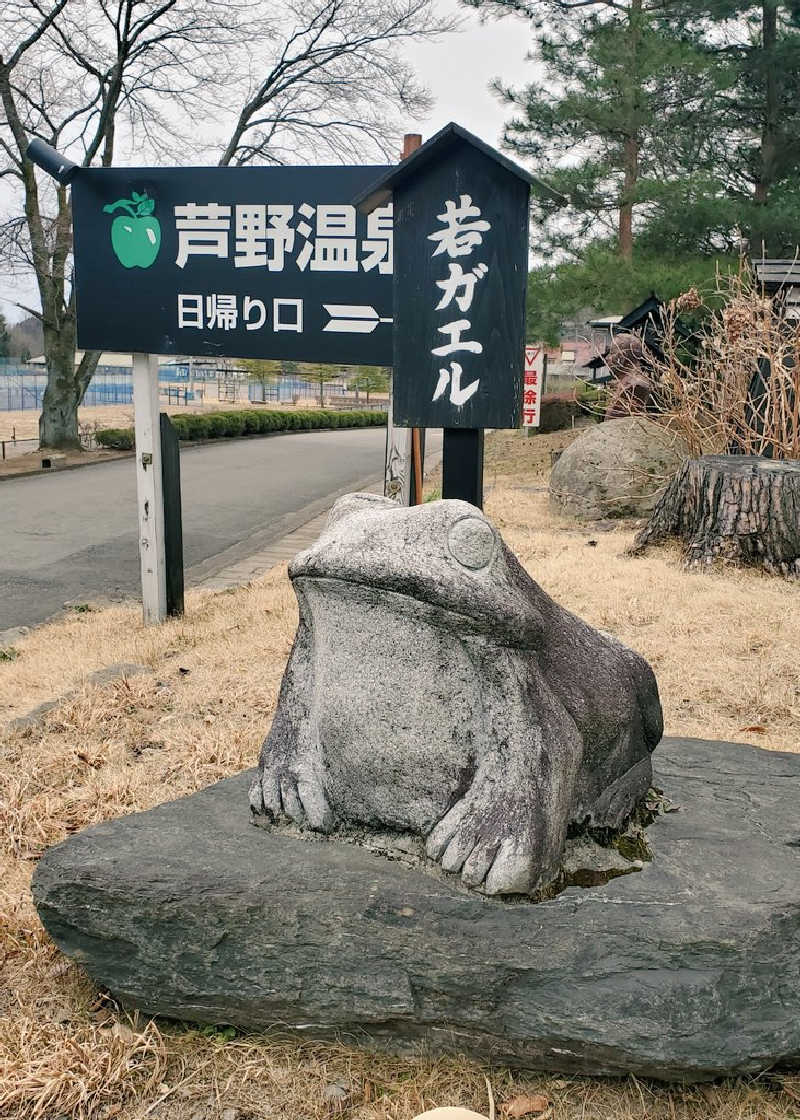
(471, 542)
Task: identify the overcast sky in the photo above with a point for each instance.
(458, 70)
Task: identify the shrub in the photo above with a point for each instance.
(197, 427)
(120, 439)
(732, 384)
(234, 423)
(218, 425)
(180, 426)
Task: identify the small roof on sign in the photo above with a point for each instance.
(380, 192)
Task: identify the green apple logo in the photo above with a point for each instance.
(136, 234)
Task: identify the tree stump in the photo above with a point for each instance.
(741, 509)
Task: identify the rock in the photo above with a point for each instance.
(435, 690)
(615, 469)
(688, 969)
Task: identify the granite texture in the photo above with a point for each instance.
(615, 469)
(689, 969)
(435, 688)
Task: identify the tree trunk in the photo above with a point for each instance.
(626, 206)
(631, 146)
(770, 128)
(58, 422)
(742, 509)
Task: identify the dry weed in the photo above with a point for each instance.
(723, 645)
(733, 383)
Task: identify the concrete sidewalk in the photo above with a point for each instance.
(283, 550)
(280, 552)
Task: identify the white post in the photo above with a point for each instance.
(397, 473)
(149, 490)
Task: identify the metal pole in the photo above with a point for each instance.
(149, 488)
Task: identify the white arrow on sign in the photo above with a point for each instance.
(352, 318)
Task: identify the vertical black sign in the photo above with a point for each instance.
(461, 263)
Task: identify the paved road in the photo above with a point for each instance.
(72, 536)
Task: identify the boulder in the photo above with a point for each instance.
(436, 691)
(686, 970)
(615, 469)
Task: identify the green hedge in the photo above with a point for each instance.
(221, 425)
(121, 439)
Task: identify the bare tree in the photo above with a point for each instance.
(333, 82)
(68, 72)
(324, 81)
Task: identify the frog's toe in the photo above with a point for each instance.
(476, 867)
(513, 870)
(493, 847)
(318, 814)
(290, 800)
(265, 796)
(298, 797)
(443, 833)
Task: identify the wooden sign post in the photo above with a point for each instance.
(460, 271)
(403, 461)
(149, 488)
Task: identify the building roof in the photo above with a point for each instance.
(452, 135)
(781, 277)
(640, 320)
(774, 274)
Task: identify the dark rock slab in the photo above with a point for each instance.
(689, 969)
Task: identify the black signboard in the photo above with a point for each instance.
(261, 262)
(461, 263)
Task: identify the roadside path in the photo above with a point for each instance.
(71, 537)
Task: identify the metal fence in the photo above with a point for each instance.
(22, 387)
(288, 390)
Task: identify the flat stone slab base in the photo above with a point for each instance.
(689, 969)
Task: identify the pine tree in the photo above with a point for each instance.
(613, 120)
(756, 117)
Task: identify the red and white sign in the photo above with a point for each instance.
(532, 386)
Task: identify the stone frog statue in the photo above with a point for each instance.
(434, 688)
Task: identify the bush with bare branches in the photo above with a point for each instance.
(733, 385)
(732, 390)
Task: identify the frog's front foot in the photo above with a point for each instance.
(495, 837)
(293, 791)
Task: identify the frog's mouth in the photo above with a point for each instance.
(423, 605)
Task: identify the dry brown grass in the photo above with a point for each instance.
(723, 645)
